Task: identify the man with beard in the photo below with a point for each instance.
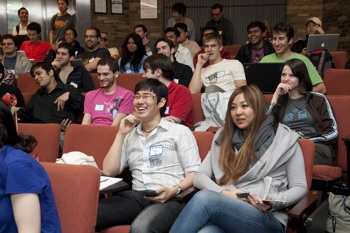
(73, 74)
(257, 47)
(109, 104)
(94, 53)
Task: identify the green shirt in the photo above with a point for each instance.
(314, 76)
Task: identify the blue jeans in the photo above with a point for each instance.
(213, 212)
(130, 207)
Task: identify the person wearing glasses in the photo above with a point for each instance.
(162, 157)
(179, 107)
(93, 53)
(223, 25)
(110, 103)
(221, 75)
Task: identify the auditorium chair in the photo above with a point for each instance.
(27, 85)
(339, 59)
(337, 81)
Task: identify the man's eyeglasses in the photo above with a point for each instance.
(9, 44)
(145, 97)
(212, 78)
(90, 36)
(70, 34)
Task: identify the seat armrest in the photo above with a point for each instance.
(304, 205)
(186, 195)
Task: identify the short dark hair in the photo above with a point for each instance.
(160, 61)
(45, 66)
(155, 86)
(258, 24)
(10, 36)
(74, 31)
(141, 26)
(179, 8)
(22, 8)
(33, 26)
(109, 61)
(66, 1)
(8, 132)
(169, 42)
(216, 6)
(171, 29)
(98, 32)
(182, 26)
(70, 48)
(284, 27)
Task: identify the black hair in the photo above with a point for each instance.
(141, 26)
(155, 86)
(22, 8)
(216, 6)
(70, 48)
(160, 61)
(74, 31)
(33, 26)
(169, 42)
(98, 32)
(8, 131)
(258, 24)
(66, 1)
(109, 61)
(171, 29)
(183, 26)
(12, 37)
(286, 28)
(179, 8)
(45, 66)
(135, 58)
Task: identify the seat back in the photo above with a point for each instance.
(48, 137)
(76, 191)
(129, 81)
(337, 81)
(27, 85)
(233, 49)
(204, 140)
(198, 114)
(339, 59)
(90, 139)
(308, 150)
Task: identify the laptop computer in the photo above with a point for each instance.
(266, 76)
(323, 41)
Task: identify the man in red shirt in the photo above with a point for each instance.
(35, 48)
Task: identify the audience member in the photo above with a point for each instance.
(249, 148)
(71, 36)
(225, 54)
(182, 54)
(93, 52)
(35, 48)
(54, 102)
(133, 55)
(26, 198)
(183, 73)
(110, 103)
(313, 26)
(221, 75)
(178, 16)
(14, 62)
(257, 47)
(224, 26)
(112, 50)
(282, 40)
(184, 41)
(179, 106)
(5, 88)
(166, 164)
(60, 22)
(142, 31)
(21, 27)
(308, 113)
(69, 73)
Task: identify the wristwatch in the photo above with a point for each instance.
(179, 190)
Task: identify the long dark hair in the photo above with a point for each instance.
(135, 58)
(8, 131)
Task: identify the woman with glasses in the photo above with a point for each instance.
(133, 55)
(26, 199)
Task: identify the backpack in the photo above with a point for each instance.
(339, 214)
(9, 78)
(322, 60)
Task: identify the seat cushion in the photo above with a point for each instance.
(117, 229)
(325, 172)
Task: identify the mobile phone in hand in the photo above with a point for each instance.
(150, 193)
(242, 195)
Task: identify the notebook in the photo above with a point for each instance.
(266, 76)
(323, 41)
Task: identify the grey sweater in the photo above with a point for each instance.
(283, 161)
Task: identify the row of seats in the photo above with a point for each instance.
(76, 186)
